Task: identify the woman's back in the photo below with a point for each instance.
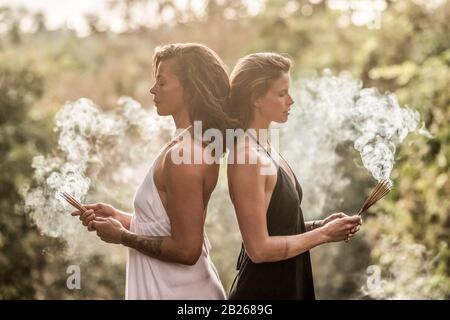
(149, 278)
(286, 279)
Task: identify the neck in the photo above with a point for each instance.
(181, 120)
(258, 125)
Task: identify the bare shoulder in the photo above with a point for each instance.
(248, 154)
(182, 161)
(246, 161)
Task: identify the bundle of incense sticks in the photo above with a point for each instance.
(73, 202)
(382, 188)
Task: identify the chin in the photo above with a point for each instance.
(283, 120)
(160, 112)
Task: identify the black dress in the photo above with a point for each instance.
(287, 279)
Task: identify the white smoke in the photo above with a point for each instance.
(105, 154)
(331, 110)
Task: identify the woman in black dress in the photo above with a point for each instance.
(274, 262)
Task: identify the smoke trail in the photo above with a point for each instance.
(103, 153)
(107, 154)
(334, 110)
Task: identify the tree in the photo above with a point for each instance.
(32, 266)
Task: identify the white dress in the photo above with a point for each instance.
(150, 278)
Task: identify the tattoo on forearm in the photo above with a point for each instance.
(150, 246)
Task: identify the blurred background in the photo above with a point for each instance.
(55, 51)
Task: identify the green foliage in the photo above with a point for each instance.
(408, 55)
(31, 265)
(420, 75)
(20, 245)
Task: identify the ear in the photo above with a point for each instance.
(257, 103)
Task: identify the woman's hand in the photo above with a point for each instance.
(109, 230)
(331, 217)
(101, 210)
(339, 226)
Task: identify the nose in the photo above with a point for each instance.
(153, 89)
(291, 101)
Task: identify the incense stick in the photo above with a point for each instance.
(73, 202)
(381, 189)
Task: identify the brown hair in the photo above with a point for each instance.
(203, 76)
(250, 79)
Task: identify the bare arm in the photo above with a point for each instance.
(314, 224)
(311, 225)
(185, 208)
(124, 218)
(247, 191)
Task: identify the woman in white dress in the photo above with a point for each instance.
(168, 248)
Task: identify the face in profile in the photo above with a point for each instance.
(167, 90)
(276, 103)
